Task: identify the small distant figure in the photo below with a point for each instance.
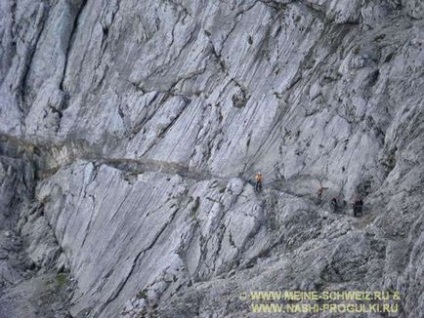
(334, 204)
(358, 204)
(258, 179)
(320, 192)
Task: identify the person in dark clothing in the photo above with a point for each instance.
(334, 205)
(320, 192)
(357, 206)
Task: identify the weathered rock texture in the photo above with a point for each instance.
(144, 121)
(30, 256)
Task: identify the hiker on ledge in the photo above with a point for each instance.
(258, 179)
(334, 204)
(320, 192)
(357, 206)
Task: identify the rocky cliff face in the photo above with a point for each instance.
(130, 132)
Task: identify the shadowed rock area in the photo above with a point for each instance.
(131, 131)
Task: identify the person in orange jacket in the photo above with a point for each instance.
(258, 179)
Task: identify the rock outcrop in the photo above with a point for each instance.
(131, 130)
